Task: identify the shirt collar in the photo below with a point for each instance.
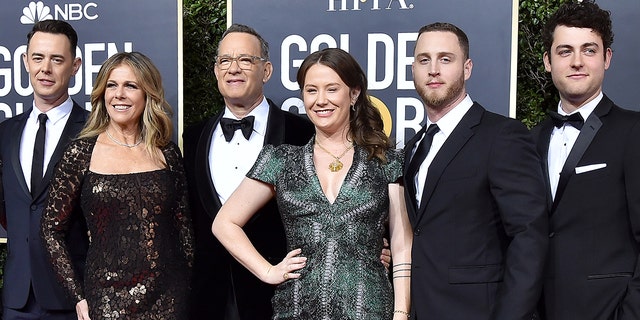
(261, 114)
(54, 114)
(586, 109)
(449, 121)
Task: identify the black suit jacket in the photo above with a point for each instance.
(594, 240)
(27, 261)
(218, 278)
(480, 234)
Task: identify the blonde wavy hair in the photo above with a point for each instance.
(155, 122)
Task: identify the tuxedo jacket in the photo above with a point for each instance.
(218, 278)
(480, 233)
(594, 239)
(27, 263)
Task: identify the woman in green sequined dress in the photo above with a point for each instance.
(338, 195)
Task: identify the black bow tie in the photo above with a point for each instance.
(229, 127)
(574, 120)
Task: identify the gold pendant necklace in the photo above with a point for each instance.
(336, 165)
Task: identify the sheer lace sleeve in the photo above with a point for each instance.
(183, 216)
(64, 197)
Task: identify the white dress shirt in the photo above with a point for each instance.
(56, 121)
(230, 161)
(446, 124)
(562, 141)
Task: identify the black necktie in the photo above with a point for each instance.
(574, 120)
(420, 155)
(229, 127)
(38, 155)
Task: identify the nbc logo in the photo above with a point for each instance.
(36, 11)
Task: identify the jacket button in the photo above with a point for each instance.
(552, 234)
(34, 207)
(416, 232)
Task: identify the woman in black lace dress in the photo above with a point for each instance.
(337, 196)
(126, 176)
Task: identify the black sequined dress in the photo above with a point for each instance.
(140, 255)
(343, 277)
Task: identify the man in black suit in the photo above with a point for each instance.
(475, 196)
(590, 150)
(215, 165)
(31, 144)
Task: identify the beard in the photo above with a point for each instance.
(437, 101)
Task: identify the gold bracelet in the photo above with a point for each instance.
(402, 312)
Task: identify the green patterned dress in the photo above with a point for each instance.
(343, 278)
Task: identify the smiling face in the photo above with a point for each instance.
(327, 99)
(50, 65)
(577, 62)
(242, 89)
(440, 70)
(124, 98)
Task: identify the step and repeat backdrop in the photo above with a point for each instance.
(104, 28)
(381, 35)
(621, 80)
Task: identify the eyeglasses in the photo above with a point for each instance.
(245, 61)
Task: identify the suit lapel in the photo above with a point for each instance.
(206, 190)
(409, 180)
(458, 138)
(588, 132)
(543, 151)
(275, 125)
(14, 157)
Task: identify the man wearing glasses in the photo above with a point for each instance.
(218, 153)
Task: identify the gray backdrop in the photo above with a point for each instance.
(104, 28)
(622, 80)
(381, 34)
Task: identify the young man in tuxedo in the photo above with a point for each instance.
(590, 150)
(31, 144)
(475, 196)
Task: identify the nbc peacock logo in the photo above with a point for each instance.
(34, 12)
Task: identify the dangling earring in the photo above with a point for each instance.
(353, 107)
